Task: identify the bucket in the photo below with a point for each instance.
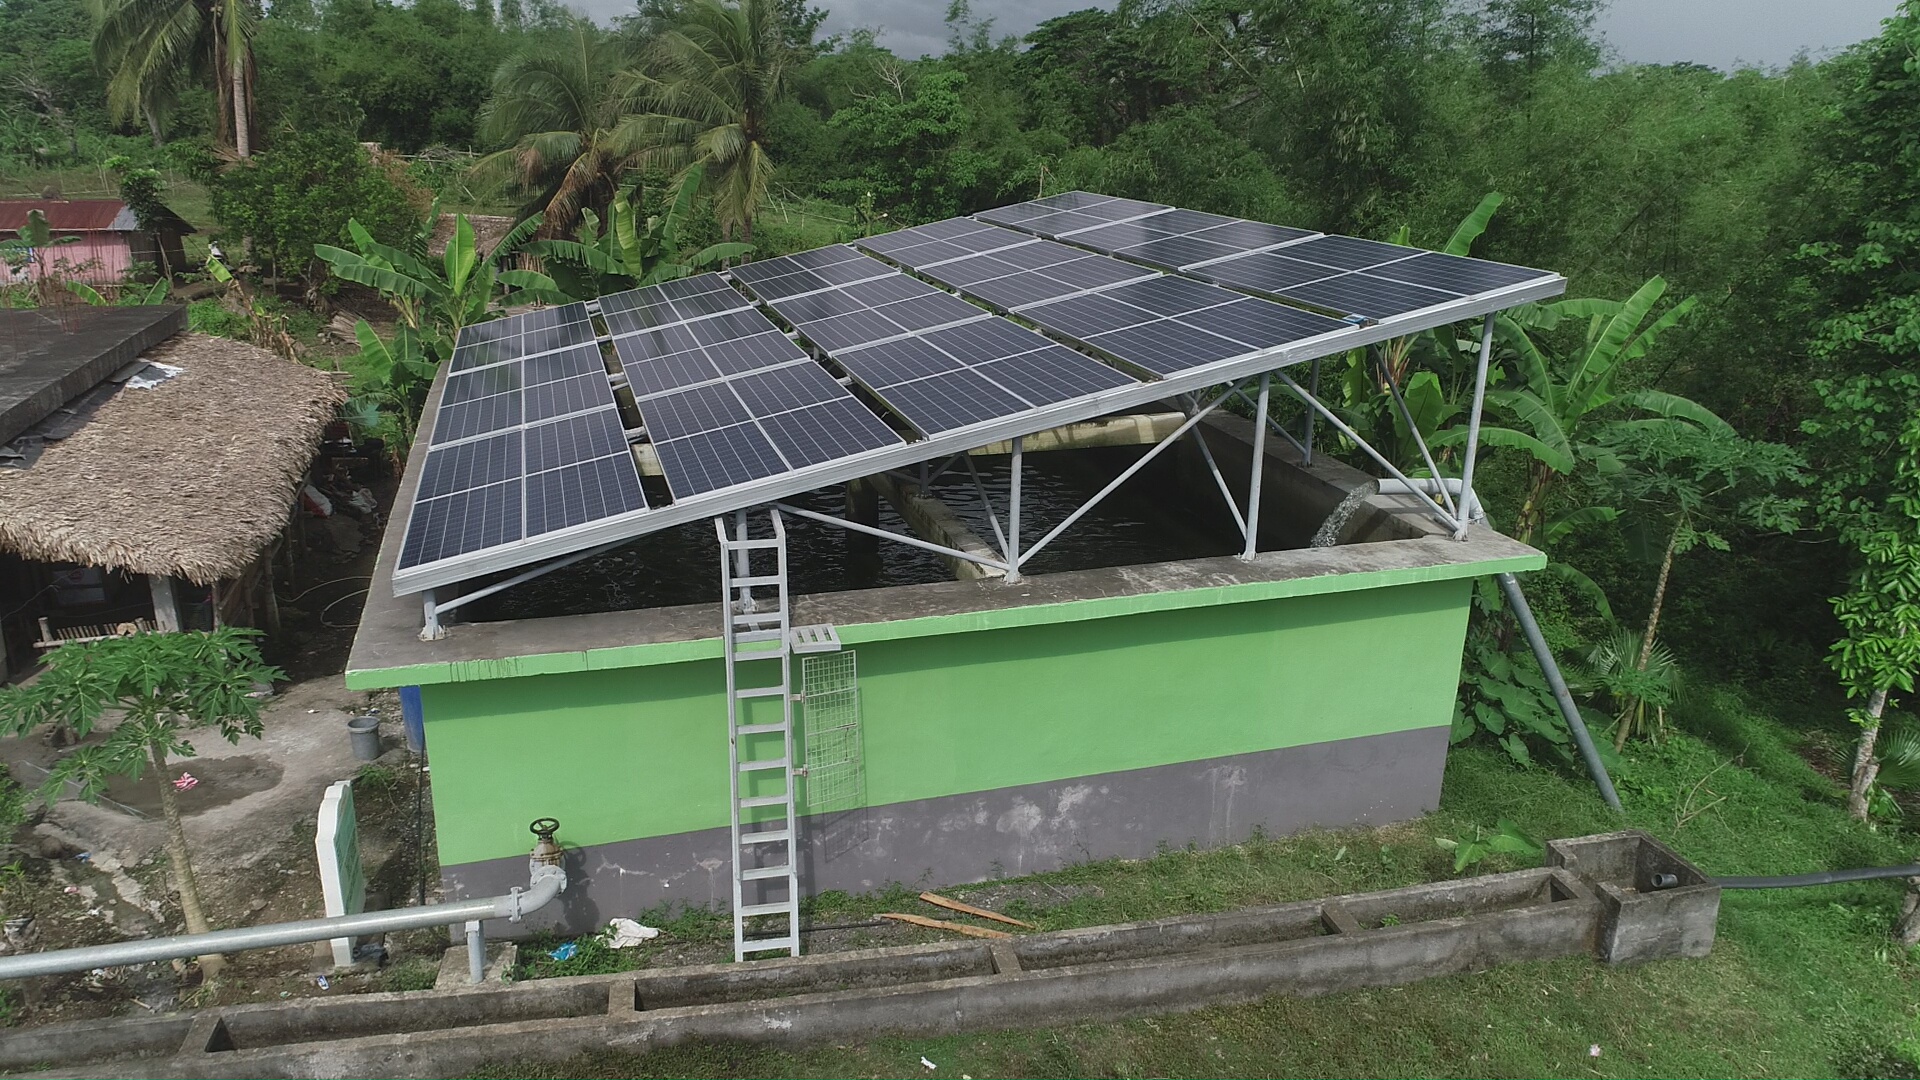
(365, 733)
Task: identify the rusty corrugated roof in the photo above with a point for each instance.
(69, 215)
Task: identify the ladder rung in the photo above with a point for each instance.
(754, 801)
(750, 545)
(758, 729)
(760, 692)
(783, 944)
(761, 766)
(785, 907)
(749, 637)
(755, 582)
(766, 836)
(762, 873)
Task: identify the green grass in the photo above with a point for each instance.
(1801, 982)
(787, 226)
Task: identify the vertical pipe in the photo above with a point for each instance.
(429, 618)
(476, 952)
(1013, 514)
(742, 565)
(1313, 387)
(1523, 614)
(1473, 425)
(1259, 467)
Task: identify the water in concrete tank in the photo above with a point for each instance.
(1151, 518)
(1328, 535)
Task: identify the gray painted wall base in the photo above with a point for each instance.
(1006, 832)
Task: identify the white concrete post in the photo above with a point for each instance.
(343, 882)
(166, 605)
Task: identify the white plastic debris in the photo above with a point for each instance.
(625, 933)
(1594, 1050)
(928, 1064)
(153, 375)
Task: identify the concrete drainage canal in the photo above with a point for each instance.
(1622, 897)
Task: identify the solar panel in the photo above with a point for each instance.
(668, 303)
(527, 439)
(877, 304)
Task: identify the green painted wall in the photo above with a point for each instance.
(641, 751)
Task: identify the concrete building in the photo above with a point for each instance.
(1297, 667)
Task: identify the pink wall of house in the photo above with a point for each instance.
(99, 258)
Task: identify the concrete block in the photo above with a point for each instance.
(1644, 917)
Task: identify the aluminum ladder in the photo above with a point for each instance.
(755, 633)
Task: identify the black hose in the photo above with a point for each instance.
(1824, 877)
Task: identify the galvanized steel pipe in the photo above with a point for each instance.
(545, 884)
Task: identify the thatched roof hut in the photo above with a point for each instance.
(191, 478)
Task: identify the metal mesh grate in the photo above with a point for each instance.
(830, 731)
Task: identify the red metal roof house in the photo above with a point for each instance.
(110, 242)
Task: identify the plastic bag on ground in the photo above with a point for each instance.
(625, 933)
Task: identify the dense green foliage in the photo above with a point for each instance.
(302, 192)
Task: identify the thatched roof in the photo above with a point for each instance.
(190, 478)
(487, 231)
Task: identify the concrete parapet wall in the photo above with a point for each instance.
(1109, 972)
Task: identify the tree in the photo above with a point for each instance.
(631, 254)
(1867, 438)
(162, 687)
(303, 192)
(558, 108)
(152, 47)
(705, 95)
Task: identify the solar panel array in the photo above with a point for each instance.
(938, 361)
(527, 440)
(726, 398)
(1343, 274)
(1152, 321)
(527, 455)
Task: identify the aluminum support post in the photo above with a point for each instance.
(1252, 525)
(1523, 614)
(1012, 551)
(430, 628)
(993, 519)
(1233, 507)
(1313, 384)
(910, 541)
(1473, 424)
(1413, 429)
(476, 952)
(1342, 427)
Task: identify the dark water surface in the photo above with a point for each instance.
(1151, 518)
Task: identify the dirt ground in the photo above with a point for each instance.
(97, 873)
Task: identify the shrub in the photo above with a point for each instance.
(303, 192)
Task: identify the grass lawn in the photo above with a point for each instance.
(1801, 983)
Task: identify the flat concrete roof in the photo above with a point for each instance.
(53, 358)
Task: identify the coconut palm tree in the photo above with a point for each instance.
(557, 108)
(703, 97)
(150, 47)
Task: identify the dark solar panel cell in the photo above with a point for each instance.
(573, 395)
(900, 240)
(1053, 374)
(793, 387)
(1177, 251)
(1069, 200)
(1259, 324)
(932, 251)
(485, 351)
(668, 373)
(772, 288)
(491, 330)
(899, 361)
(461, 522)
(1094, 271)
(886, 290)
(1168, 295)
(1166, 346)
(1038, 255)
(567, 364)
(1115, 209)
(1018, 214)
(548, 338)
(470, 465)
(1451, 273)
(820, 305)
(857, 269)
(577, 494)
(1112, 237)
(946, 402)
(971, 271)
(1363, 294)
(925, 312)
(952, 228)
(1347, 252)
(476, 417)
(989, 238)
(708, 303)
(1059, 224)
(641, 319)
(690, 412)
(717, 459)
(1020, 289)
(662, 342)
(1184, 221)
(1084, 316)
(988, 339)
(827, 431)
(751, 353)
(736, 324)
(1250, 234)
(483, 383)
(577, 438)
(1269, 273)
(847, 331)
(819, 257)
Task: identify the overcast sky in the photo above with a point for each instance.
(1723, 33)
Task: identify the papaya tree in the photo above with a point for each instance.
(131, 703)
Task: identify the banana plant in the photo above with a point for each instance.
(126, 297)
(435, 302)
(389, 384)
(630, 254)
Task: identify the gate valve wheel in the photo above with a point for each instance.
(544, 828)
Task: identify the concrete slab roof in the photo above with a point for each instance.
(53, 358)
